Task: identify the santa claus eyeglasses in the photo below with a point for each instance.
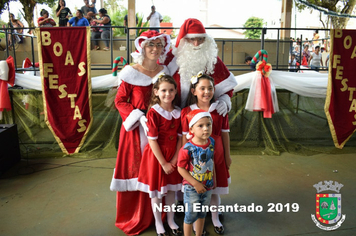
(197, 39)
(152, 45)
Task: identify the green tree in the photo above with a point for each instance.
(167, 19)
(117, 13)
(339, 6)
(253, 22)
(141, 24)
(117, 19)
(28, 7)
(113, 5)
(2, 35)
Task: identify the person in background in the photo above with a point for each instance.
(291, 45)
(18, 28)
(94, 30)
(248, 61)
(63, 13)
(78, 20)
(44, 20)
(92, 7)
(296, 52)
(327, 61)
(126, 24)
(104, 33)
(292, 63)
(306, 42)
(315, 59)
(155, 19)
(91, 17)
(85, 8)
(316, 37)
(126, 20)
(306, 55)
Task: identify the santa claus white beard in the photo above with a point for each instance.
(193, 59)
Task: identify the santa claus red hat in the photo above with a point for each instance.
(150, 35)
(195, 115)
(191, 28)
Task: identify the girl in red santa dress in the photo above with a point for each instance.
(158, 172)
(201, 96)
(134, 213)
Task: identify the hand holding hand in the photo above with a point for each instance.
(168, 168)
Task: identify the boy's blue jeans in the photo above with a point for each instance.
(191, 198)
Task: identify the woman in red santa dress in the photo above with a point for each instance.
(134, 213)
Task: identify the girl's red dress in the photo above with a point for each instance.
(165, 127)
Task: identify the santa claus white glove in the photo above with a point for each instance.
(143, 121)
(221, 108)
(224, 105)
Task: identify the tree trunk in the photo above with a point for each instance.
(28, 7)
(341, 22)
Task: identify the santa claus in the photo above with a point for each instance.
(196, 51)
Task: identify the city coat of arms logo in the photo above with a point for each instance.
(328, 206)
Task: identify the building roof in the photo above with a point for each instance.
(225, 33)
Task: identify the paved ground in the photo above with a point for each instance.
(71, 196)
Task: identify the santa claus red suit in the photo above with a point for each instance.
(186, 60)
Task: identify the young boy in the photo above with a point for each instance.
(92, 7)
(196, 165)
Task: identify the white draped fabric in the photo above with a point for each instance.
(305, 83)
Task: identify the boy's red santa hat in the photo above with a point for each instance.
(150, 35)
(191, 28)
(195, 115)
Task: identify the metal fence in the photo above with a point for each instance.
(268, 36)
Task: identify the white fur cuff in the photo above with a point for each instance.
(131, 121)
(225, 86)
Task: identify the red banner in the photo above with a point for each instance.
(340, 104)
(64, 56)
